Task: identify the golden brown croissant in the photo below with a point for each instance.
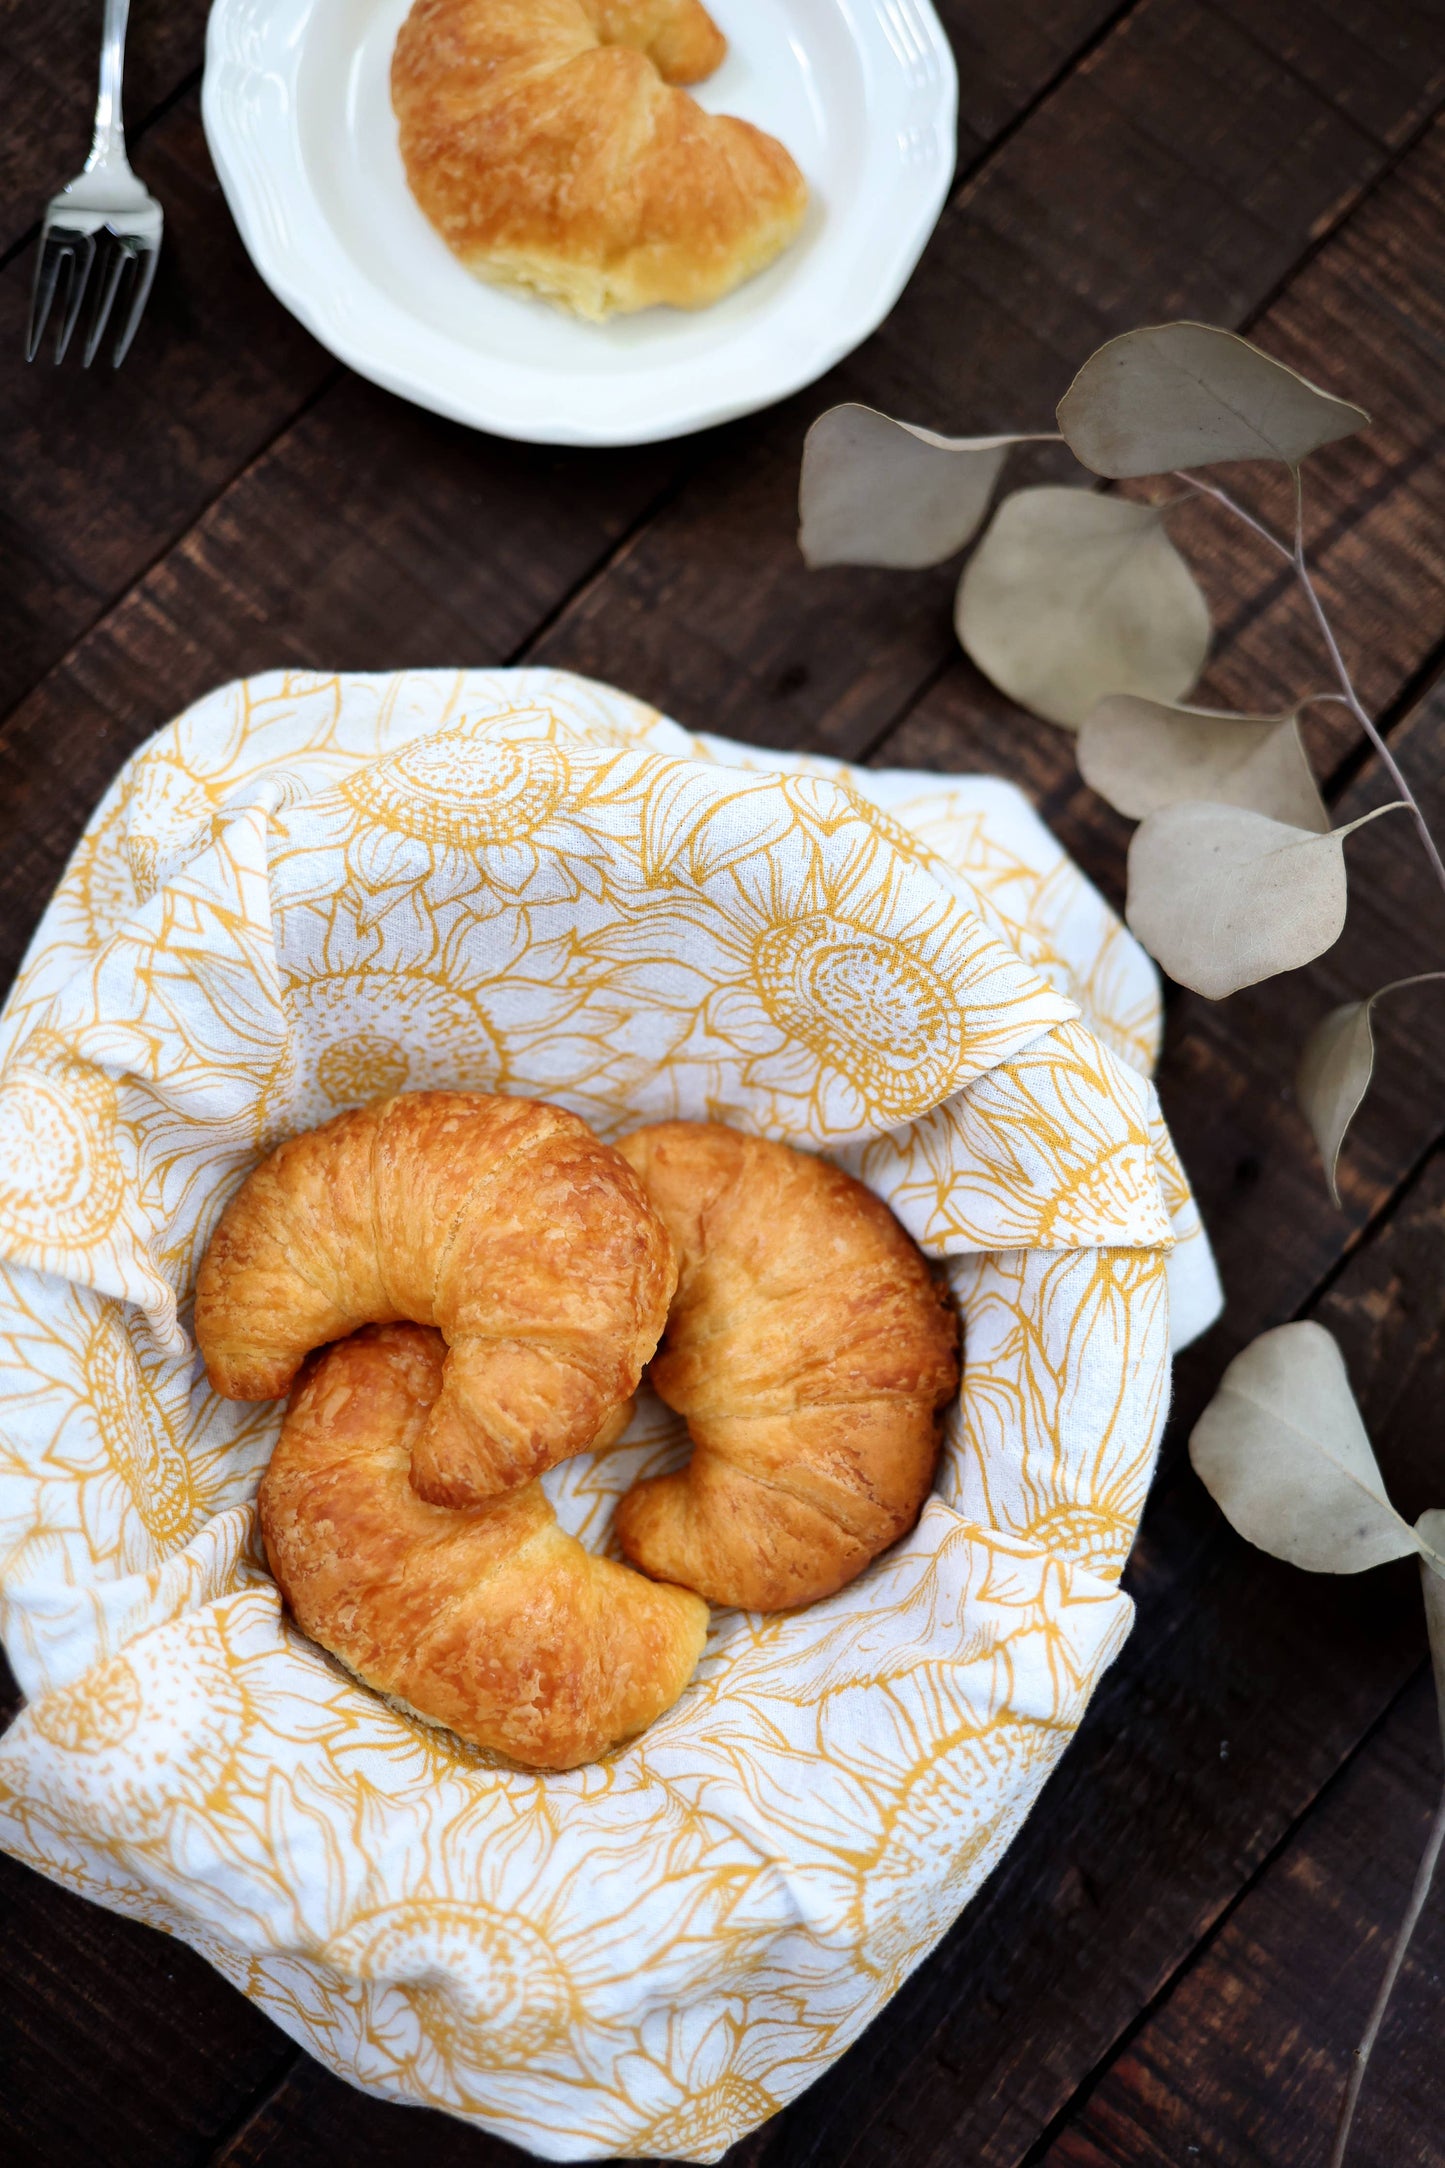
(504, 1222)
(810, 1350)
(490, 1621)
(545, 144)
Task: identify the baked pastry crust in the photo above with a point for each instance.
(504, 1222)
(491, 1621)
(811, 1351)
(547, 142)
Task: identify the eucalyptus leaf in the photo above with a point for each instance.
(1333, 1076)
(1143, 755)
(875, 491)
(1222, 897)
(1071, 595)
(1189, 395)
(1283, 1453)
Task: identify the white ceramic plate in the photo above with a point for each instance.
(298, 116)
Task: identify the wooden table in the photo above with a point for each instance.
(1177, 1956)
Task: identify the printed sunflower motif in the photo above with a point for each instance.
(702, 2086)
(483, 1986)
(95, 1713)
(357, 1035)
(1063, 1396)
(62, 1186)
(468, 788)
(134, 1425)
(1051, 1150)
(141, 1737)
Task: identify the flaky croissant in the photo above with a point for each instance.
(545, 142)
(490, 1621)
(810, 1350)
(504, 1222)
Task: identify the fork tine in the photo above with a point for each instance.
(118, 256)
(79, 257)
(42, 292)
(146, 257)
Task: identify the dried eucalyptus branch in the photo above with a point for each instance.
(1078, 605)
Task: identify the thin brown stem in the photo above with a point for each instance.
(1347, 688)
(1232, 504)
(1294, 554)
(1361, 2059)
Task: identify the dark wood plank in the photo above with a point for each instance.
(1244, 2065)
(1009, 56)
(1385, 71)
(84, 2080)
(313, 2120)
(101, 468)
(1245, 2058)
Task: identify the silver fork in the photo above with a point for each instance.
(105, 203)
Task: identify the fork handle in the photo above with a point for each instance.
(108, 144)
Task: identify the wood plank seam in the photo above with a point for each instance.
(1066, 2115)
(221, 2144)
(1397, 154)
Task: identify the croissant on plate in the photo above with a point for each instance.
(502, 1221)
(547, 142)
(490, 1620)
(810, 1350)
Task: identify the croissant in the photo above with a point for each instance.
(810, 1350)
(505, 1222)
(490, 1621)
(543, 141)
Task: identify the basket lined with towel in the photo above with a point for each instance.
(308, 891)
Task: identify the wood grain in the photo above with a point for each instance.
(84, 2079)
(1245, 2061)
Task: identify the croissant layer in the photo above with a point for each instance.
(548, 143)
(490, 1620)
(504, 1222)
(811, 1351)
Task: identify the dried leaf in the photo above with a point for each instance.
(1143, 755)
(876, 491)
(1282, 1451)
(1333, 1077)
(1222, 897)
(1071, 595)
(1188, 395)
